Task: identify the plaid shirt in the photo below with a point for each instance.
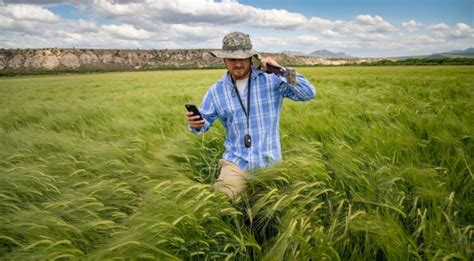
(266, 97)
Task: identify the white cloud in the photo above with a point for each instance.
(279, 19)
(126, 31)
(319, 23)
(203, 23)
(29, 13)
(462, 30)
(12, 25)
(25, 18)
(364, 27)
(330, 33)
(194, 33)
(116, 9)
(262, 43)
(459, 31)
(411, 26)
(438, 27)
(86, 26)
(204, 11)
(372, 24)
(187, 12)
(313, 43)
(47, 2)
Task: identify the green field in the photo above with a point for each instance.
(101, 166)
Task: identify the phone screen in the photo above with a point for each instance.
(192, 108)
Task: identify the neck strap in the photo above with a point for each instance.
(247, 112)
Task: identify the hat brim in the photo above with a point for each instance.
(238, 54)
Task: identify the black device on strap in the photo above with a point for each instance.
(247, 137)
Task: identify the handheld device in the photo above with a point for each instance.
(192, 108)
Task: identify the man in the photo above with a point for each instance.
(248, 103)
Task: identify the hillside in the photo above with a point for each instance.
(50, 60)
(55, 59)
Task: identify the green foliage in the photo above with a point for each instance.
(378, 166)
(423, 61)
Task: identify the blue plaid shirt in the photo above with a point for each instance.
(266, 97)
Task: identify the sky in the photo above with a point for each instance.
(361, 28)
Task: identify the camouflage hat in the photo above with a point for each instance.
(236, 45)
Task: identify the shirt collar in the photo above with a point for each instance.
(227, 79)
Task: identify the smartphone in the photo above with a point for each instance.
(192, 108)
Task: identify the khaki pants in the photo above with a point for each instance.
(231, 180)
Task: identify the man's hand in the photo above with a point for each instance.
(268, 60)
(193, 122)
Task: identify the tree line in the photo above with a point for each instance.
(422, 61)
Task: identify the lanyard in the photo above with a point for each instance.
(247, 112)
(247, 137)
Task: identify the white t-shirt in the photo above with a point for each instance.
(241, 84)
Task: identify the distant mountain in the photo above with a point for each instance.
(320, 54)
(329, 54)
(469, 52)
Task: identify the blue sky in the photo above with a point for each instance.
(69, 11)
(428, 11)
(364, 28)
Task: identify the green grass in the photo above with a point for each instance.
(378, 166)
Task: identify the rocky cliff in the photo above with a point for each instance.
(55, 59)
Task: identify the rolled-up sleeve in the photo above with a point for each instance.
(302, 91)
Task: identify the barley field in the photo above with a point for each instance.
(101, 166)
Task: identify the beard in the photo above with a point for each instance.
(240, 73)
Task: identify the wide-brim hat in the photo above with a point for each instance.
(236, 45)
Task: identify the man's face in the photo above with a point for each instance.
(238, 68)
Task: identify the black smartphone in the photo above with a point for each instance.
(192, 108)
